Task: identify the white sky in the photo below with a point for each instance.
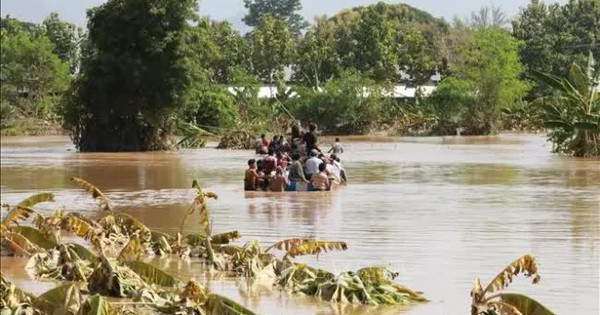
(233, 10)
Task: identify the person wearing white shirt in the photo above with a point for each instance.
(312, 164)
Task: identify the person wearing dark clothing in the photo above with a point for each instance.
(310, 138)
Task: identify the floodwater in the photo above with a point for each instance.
(441, 211)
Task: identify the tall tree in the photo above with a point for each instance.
(134, 76)
(233, 52)
(66, 38)
(390, 42)
(488, 16)
(32, 75)
(272, 49)
(376, 53)
(287, 11)
(484, 80)
(316, 58)
(555, 36)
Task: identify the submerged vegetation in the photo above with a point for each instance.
(491, 301)
(112, 265)
(166, 71)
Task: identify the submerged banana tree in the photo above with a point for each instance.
(573, 112)
(193, 136)
(13, 238)
(491, 301)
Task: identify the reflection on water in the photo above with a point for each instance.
(441, 211)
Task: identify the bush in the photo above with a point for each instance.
(213, 109)
(350, 104)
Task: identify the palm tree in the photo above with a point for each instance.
(573, 111)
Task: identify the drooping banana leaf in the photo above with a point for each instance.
(286, 245)
(81, 252)
(65, 299)
(525, 304)
(558, 124)
(587, 126)
(132, 225)
(220, 305)
(13, 294)
(35, 236)
(79, 227)
(35, 199)
(14, 248)
(526, 265)
(97, 305)
(152, 274)
(19, 244)
(132, 251)
(315, 248)
(15, 215)
(95, 191)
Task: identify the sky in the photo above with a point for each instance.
(233, 10)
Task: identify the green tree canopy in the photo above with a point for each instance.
(554, 36)
(31, 73)
(287, 11)
(484, 80)
(134, 77)
(272, 49)
(65, 37)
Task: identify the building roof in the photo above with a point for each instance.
(400, 91)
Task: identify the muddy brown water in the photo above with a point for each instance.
(440, 211)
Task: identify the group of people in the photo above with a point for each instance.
(287, 167)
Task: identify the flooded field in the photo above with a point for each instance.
(440, 211)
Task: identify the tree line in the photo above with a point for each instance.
(145, 67)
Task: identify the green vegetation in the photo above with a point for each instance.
(139, 79)
(114, 267)
(491, 301)
(32, 78)
(484, 80)
(572, 112)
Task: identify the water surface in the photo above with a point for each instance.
(441, 211)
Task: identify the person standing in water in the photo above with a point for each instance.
(320, 181)
(279, 182)
(296, 174)
(251, 176)
(310, 138)
(336, 148)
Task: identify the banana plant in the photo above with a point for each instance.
(193, 136)
(572, 113)
(491, 300)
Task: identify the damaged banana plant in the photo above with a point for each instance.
(492, 301)
(114, 267)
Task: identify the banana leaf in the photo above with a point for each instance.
(19, 244)
(35, 236)
(587, 126)
(97, 305)
(152, 274)
(16, 214)
(95, 191)
(315, 248)
(35, 199)
(525, 304)
(81, 252)
(220, 305)
(553, 124)
(65, 299)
